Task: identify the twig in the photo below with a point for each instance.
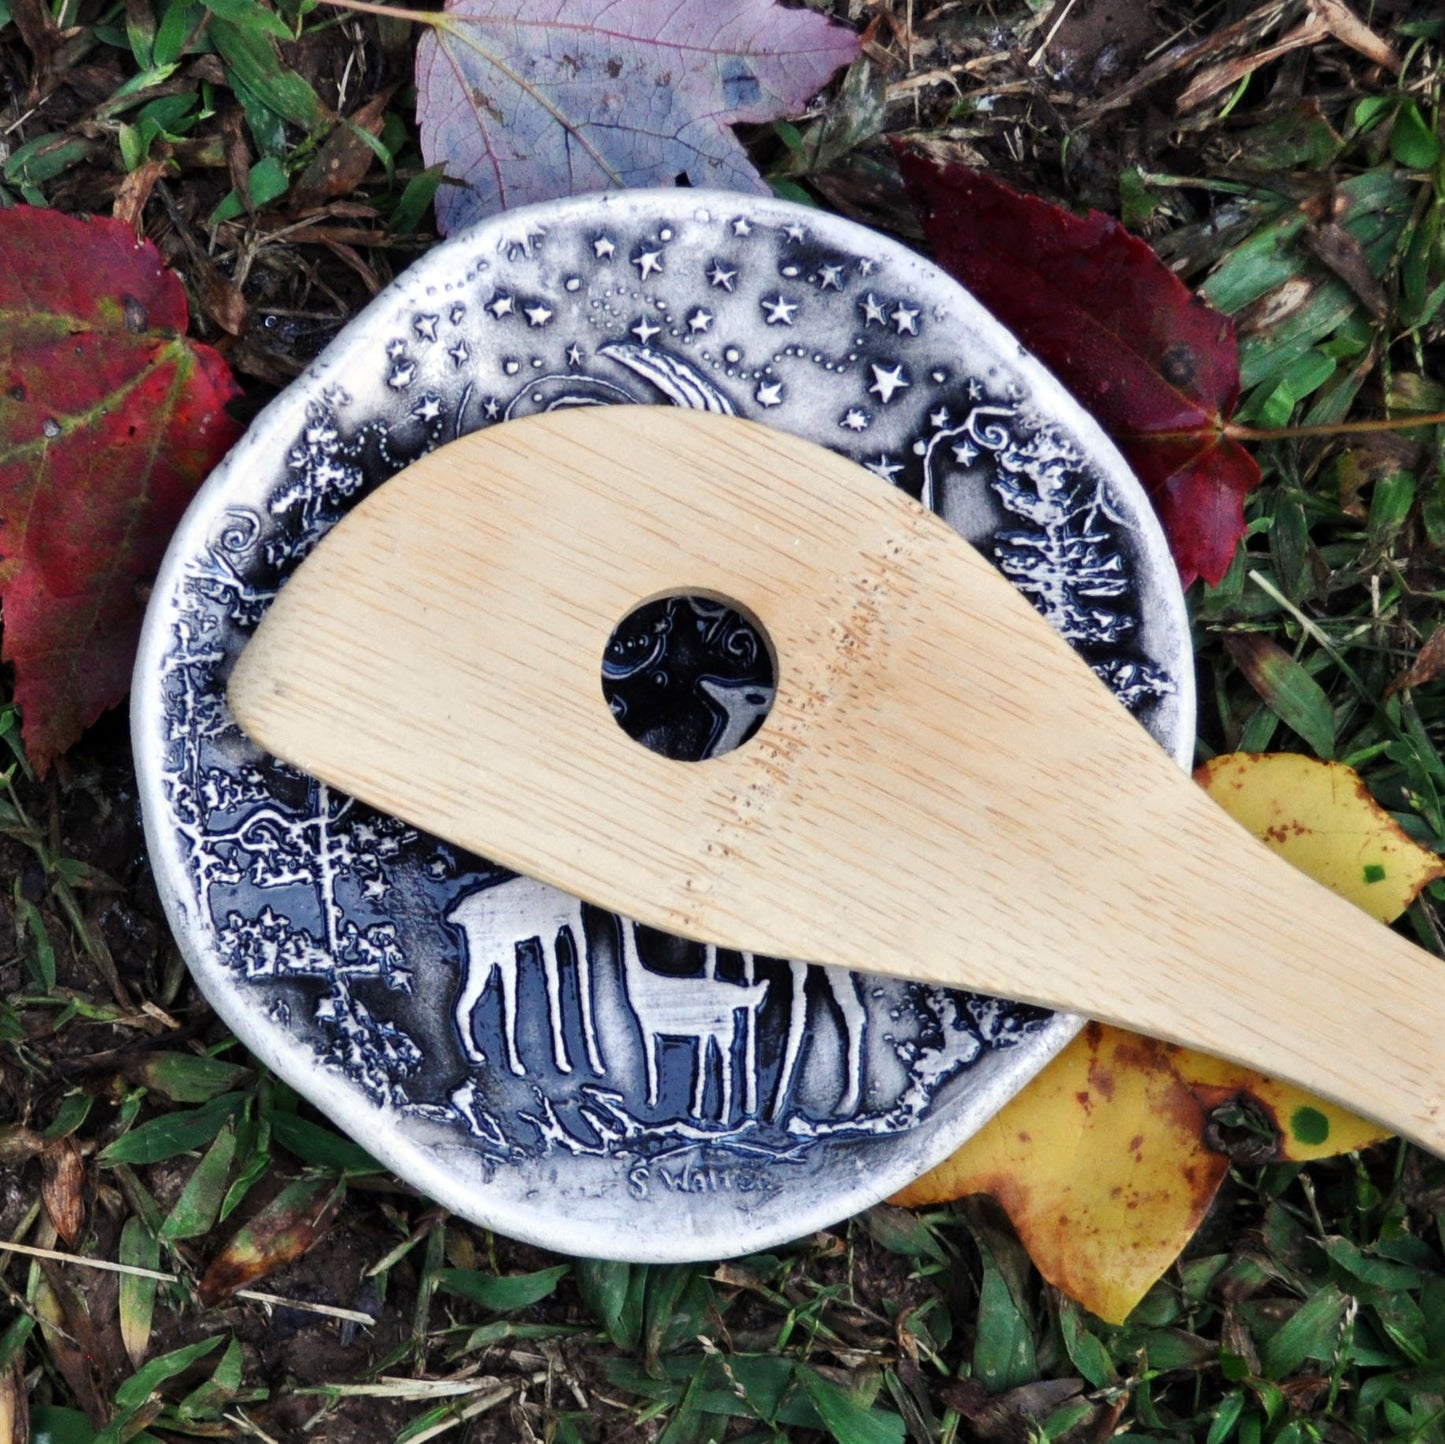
(250, 1426)
(394, 1388)
(394, 12)
(1332, 428)
(255, 1295)
(1048, 39)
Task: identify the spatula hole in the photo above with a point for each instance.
(689, 676)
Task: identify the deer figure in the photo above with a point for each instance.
(741, 705)
(496, 923)
(844, 988)
(704, 1010)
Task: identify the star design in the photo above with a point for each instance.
(603, 248)
(830, 278)
(770, 393)
(459, 353)
(426, 327)
(964, 453)
(794, 232)
(492, 409)
(872, 311)
(721, 276)
(855, 420)
(457, 312)
(884, 468)
(538, 315)
(905, 318)
(574, 355)
(975, 389)
(779, 312)
(741, 227)
(866, 266)
(700, 320)
(427, 409)
(648, 263)
(939, 417)
(395, 350)
(402, 376)
(885, 383)
(500, 306)
(644, 330)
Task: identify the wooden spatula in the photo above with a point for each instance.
(942, 789)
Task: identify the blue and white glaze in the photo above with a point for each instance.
(530, 1062)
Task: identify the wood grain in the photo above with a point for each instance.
(942, 789)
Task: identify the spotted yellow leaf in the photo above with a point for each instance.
(1320, 817)
(1099, 1162)
(1109, 1159)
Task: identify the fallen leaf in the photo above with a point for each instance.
(1109, 1159)
(109, 420)
(293, 1222)
(1223, 40)
(529, 100)
(1012, 1416)
(1099, 1163)
(135, 190)
(1429, 663)
(1350, 30)
(62, 1188)
(344, 158)
(14, 1402)
(1320, 817)
(1217, 78)
(1156, 366)
(1324, 20)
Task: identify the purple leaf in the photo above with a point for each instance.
(529, 100)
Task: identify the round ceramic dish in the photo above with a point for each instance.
(530, 1062)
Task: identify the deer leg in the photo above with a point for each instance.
(551, 969)
(725, 1071)
(509, 1012)
(474, 984)
(750, 1044)
(584, 989)
(699, 1087)
(797, 1022)
(855, 1016)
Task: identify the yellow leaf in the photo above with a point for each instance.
(1308, 1127)
(1099, 1163)
(1320, 817)
(1107, 1161)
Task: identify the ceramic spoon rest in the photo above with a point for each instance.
(515, 1053)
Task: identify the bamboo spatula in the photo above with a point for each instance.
(942, 789)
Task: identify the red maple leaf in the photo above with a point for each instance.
(1155, 365)
(109, 420)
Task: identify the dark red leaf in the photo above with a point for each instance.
(109, 420)
(1156, 367)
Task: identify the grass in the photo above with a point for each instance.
(1306, 203)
